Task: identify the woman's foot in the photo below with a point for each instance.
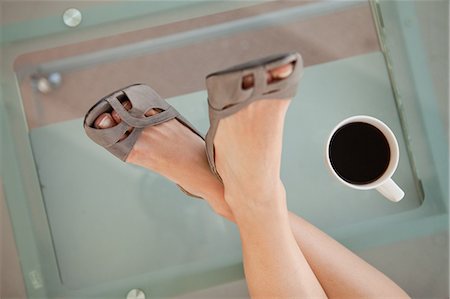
(170, 149)
(248, 150)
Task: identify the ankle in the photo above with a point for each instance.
(262, 217)
(257, 204)
(210, 189)
(254, 191)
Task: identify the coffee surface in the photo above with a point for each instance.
(359, 153)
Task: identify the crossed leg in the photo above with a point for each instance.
(284, 255)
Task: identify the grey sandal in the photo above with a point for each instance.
(142, 98)
(226, 94)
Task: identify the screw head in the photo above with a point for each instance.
(55, 79)
(136, 294)
(72, 17)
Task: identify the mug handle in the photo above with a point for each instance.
(391, 190)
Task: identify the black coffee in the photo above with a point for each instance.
(359, 153)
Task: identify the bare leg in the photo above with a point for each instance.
(341, 273)
(248, 154)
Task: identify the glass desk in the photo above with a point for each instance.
(88, 225)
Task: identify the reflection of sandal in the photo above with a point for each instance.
(226, 94)
(142, 98)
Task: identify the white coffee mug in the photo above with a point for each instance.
(384, 184)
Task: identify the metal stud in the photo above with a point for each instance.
(136, 294)
(72, 17)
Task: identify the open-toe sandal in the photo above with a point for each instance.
(134, 121)
(228, 94)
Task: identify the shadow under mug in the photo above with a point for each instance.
(383, 183)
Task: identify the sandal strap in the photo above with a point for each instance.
(141, 121)
(225, 88)
(109, 136)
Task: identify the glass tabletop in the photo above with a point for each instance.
(102, 227)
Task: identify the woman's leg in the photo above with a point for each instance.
(274, 265)
(337, 268)
(341, 273)
(248, 155)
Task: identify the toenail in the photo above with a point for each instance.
(116, 116)
(105, 122)
(284, 74)
(283, 71)
(151, 112)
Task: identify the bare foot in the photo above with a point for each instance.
(172, 150)
(248, 149)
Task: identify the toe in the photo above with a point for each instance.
(152, 112)
(280, 72)
(104, 121)
(115, 115)
(275, 74)
(127, 105)
(248, 81)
